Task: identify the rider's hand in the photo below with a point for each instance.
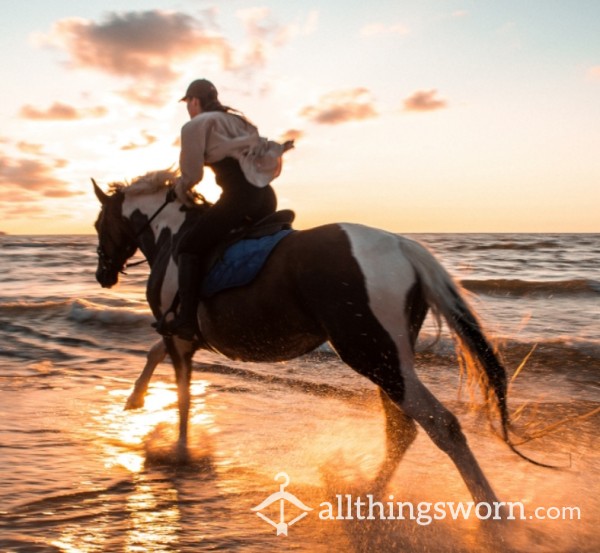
(183, 194)
(171, 195)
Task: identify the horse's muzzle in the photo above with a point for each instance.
(107, 279)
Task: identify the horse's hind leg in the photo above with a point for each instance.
(400, 432)
(155, 355)
(445, 431)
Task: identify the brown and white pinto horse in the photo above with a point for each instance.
(363, 290)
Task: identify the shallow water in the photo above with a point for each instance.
(81, 474)
(78, 473)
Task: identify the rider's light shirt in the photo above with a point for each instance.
(211, 136)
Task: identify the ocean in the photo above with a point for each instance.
(80, 474)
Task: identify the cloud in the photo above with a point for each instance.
(262, 31)
(146, 94)
(265, 34)
(148, 140)
(424, 100)
(146, 46)
(17, 210)
(291, 134)
(341, 106)
(149, 48)
(29, 148)
(32, 175)
(60, 112)
(375, 29)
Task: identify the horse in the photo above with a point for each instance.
(363, 290)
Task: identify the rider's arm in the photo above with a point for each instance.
(191, 157)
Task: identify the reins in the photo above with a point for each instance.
(170, 197)
(127, 265)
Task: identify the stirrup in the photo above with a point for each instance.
(162, 326)
(186, 330)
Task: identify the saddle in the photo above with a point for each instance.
(280, 220)
(270, 225)
(238, 259)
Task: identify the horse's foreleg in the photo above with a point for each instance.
(155, 356)
(400, 431)
(181, 352)
(445, 431)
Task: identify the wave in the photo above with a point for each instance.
(45, 245)
(83, 312)
(531, 246)
(62, 331)
(518, 287)
(78, 310)
(565, 355)
(562, 352)
(28, 306)
(572, 370)
(17, 316)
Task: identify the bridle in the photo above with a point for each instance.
(107, 264)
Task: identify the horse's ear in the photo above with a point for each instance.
(102, 196)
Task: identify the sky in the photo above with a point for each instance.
(412, 116)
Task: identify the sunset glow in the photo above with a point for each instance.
(431, 116)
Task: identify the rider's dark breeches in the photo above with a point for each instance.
(240, 202)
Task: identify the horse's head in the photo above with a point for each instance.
(116, 239)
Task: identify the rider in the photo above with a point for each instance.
(244, 164)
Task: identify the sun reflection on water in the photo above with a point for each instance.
(125, 434)
(147, 516)
(154, 520)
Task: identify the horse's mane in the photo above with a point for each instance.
(153, 181)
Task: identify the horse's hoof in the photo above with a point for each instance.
(182, 453)
(134, 402)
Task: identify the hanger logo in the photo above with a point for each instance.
(282, 497)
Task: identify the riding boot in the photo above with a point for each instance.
(185, 324)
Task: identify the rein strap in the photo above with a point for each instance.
(170, 197)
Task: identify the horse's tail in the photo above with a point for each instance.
(447, 300)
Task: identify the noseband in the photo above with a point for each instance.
(106, 263)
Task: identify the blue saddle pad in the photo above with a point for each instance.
(241, 263)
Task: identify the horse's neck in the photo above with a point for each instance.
(139, 210)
